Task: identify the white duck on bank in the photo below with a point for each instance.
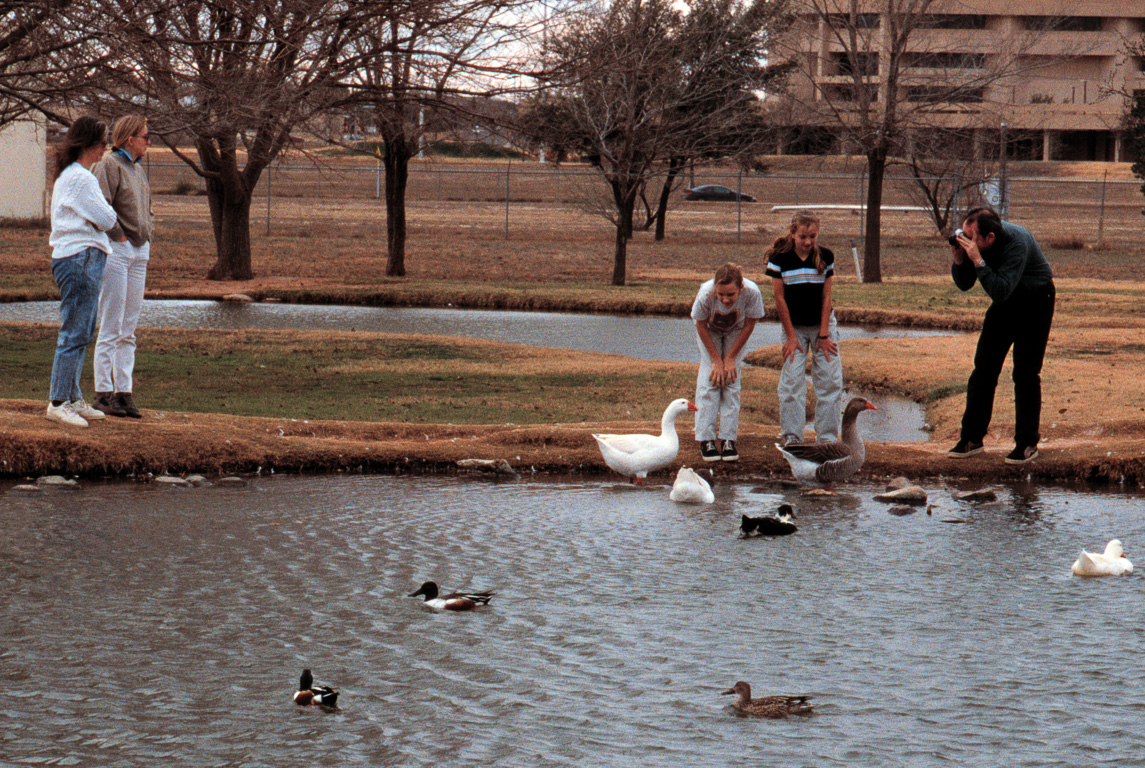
(691, 488)
(833, 462)
(1112, 562)
(634, 456)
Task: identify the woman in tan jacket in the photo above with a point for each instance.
(124, 184)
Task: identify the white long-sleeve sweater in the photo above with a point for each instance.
(81, 214)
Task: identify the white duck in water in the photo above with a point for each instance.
(634, 456)
(826, 463)
(690, 488)
(1112, 562)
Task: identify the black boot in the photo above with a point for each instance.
(104, 401)
(123, 399)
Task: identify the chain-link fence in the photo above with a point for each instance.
(515, 194)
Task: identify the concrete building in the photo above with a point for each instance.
(1040, 75)
(23, 184)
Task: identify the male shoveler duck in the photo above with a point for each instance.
(770, 525)
(691, 488)
(455, 601)
(774, 707)
(1112, 562)
(311, 693)
(831, 462)
(634, 455)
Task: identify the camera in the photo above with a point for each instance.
(953, 239)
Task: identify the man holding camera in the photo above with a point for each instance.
(1008, 262)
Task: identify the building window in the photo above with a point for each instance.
(866, 63)
(848, 92)
(953, 21)
(861, 21)
(946, 60)
(930, 94)
(1063, 23)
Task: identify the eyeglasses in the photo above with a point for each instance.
(146, 137)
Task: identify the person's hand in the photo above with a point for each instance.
(957, 253)
(791, 345)
(716, 377)
(729, 371)
(828, 347)
(970, 248)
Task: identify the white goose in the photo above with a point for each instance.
(690, 488)
(634, 456)
(1112, 562)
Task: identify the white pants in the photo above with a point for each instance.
(120, 301)
(717, 405)
(827, 377)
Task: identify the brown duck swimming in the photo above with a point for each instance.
(774, 707)
(827, 463)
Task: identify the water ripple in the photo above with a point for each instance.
(143, 626)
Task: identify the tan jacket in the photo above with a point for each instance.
(125, 186)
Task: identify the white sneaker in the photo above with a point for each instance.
(64, 414)
(83, 409)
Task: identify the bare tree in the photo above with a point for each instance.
(419, 62)
(43, 55)
(870, 71)
(235, 78)
(1133, 119)
(642, 86)
(946, 172)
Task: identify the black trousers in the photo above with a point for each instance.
(1022, 322)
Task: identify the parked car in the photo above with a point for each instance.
(716, 192)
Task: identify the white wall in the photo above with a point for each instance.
(23, 170)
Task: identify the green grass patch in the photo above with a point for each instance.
(355, 377)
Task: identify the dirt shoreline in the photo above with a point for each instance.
(216, 444)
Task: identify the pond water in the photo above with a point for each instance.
(643, 336)
(153, 626)
(648, 337)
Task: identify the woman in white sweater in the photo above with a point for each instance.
(81, 217)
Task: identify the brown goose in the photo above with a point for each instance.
(774, 707)
(826, 463)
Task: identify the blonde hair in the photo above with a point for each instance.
(729, 273)
(803, 218)
(126, 127)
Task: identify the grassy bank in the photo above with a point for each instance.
(235, 400)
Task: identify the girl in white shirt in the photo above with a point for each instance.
(725, 312)
(81, 217)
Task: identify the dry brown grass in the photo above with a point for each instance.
(330, 248)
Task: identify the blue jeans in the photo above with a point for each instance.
(79, 278)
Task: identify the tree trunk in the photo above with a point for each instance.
(625, 203)
(620, 257)
(230, 218)
(396, 162)
(674, 166)
(872, 243)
